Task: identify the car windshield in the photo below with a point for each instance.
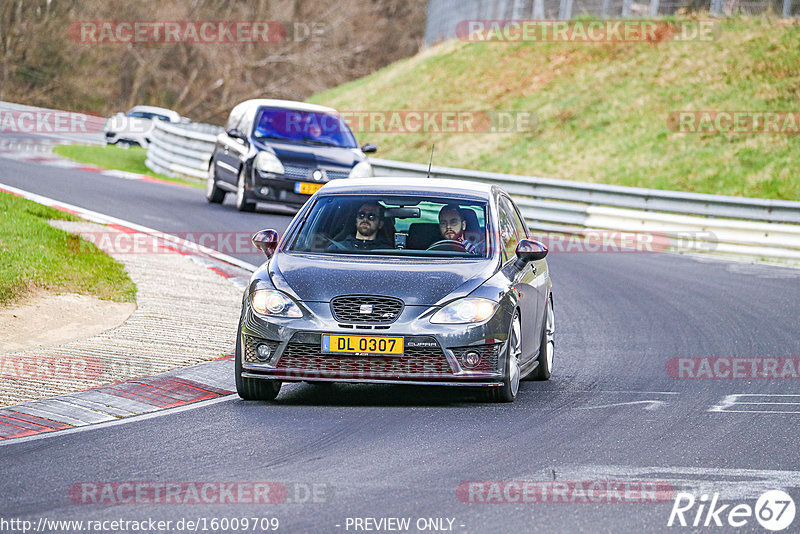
(147, 115)
(309, 127)
(382, 225)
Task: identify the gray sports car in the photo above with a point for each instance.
(404, 281)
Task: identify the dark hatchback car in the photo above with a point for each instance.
(282, 151)
(404, 281)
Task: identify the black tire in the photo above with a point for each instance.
(214, 194)
(242, 202)
(253, 388)
(546, 342)
(508, 391)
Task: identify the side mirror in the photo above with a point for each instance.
(369, 148)
(236, 134)
(529, 250)
(266, 241)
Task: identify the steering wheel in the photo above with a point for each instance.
(335, 244)
(448, 244)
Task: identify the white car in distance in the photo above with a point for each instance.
(135, 127)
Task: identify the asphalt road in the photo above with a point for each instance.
(610, 412)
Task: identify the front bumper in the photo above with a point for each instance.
(284, 187)
(433, 354)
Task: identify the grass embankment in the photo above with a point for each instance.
(35, 256)
(113, 157)
(603, 108)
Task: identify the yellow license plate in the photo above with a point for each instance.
(365, 344)
(305, 188)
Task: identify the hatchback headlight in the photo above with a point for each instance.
(268, 162)
(274, 303)
(361, 170)
(466, 310)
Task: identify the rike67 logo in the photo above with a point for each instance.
(774, 510)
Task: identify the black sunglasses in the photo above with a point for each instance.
(369, 216)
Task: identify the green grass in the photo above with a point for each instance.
(602, 109)
(35, 256)
(113, 157)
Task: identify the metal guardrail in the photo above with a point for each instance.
(732, 225)
(445, 16)
(609, 195)
(181, 150)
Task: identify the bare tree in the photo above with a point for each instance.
(327, 42)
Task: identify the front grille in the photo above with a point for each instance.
(291, 171)
(305, 359)
(250, 346)
(489, 357)
(366, 309)
(337, 175)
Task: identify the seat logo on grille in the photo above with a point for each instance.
(366, 309)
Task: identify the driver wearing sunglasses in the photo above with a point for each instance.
(369, 220)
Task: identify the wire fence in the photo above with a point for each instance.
(444, 16)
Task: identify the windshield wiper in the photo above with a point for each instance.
(318, 142)
(278, 138)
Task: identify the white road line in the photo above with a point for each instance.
(730, 401)
(651, 405)
(97, 426)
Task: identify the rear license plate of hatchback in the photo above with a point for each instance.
(390, 346)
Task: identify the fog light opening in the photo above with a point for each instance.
(263, 351)
(264, 191)
(471, 359)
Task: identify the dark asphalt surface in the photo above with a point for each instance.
(390, 451)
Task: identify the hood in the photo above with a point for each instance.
(422, 283)
(312, 155)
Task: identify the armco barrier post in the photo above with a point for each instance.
(565, 10)
(538, 9)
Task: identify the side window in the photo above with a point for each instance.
(508, 230)
(519, 222)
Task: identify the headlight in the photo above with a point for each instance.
(274, 303)
(466, 310)
(361, 170)
(268, 162)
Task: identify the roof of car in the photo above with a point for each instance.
(155, 109)
(408, 185)
(286, 104)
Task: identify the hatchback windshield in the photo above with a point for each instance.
(394, 225)
(308, 127)
(147, 115)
